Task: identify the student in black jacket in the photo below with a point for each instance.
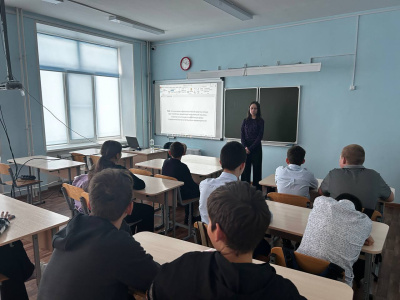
(94, 258)
(111, 152)
(239, 217)
(174, 167)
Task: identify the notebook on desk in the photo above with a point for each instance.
(132, 142)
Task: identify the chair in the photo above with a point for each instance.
(290, 199)
(18, 183)
(140, 172)
(81, 158)
(93, 159)
(201, 232)
(85, 198)
(307, 263)
(72, 193)
(187, 202)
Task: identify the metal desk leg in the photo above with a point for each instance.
(166, 208)
(174, 197)
(37, 258)
(367, 275)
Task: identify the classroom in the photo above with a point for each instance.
(352, 99)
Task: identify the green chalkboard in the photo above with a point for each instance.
(279, 109)
(237, 102)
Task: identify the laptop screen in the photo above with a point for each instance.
(132, 142)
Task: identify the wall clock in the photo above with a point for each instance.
(185, 63)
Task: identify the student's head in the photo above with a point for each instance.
(110, 149)
(352, 155)
(254, 110)
(232, 155)
(176, 150)
(295, 155)
(357, 203)
(239, 217)
(110, 153)
(110, 193)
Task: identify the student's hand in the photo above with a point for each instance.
(369, 241)
(6, 215)
(247, 150)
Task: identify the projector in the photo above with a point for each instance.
(11, 85)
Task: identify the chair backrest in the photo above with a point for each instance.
(4, 169)
(307, 263)
(94, 159)
(376, 216)
(85, 198)
(78, 157)
(72, 193)
(140, 172)
(290, 199)
(165, 177)
(201, 230)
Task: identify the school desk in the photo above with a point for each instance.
(146, 154)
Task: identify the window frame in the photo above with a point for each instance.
(92, 75)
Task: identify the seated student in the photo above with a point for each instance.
(336, 231)
(293, 179)
(14, 264)
(111, 152)
(175, 168)
(93, 258)
(352, 177)
(239, 217)
(232, 159)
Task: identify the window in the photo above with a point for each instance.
(80, 86)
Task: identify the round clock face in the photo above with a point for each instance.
(185, 63)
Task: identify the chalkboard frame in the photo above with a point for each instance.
(258, 99)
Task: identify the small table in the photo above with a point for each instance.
(201, 159)
(54, 166)
(291, 221)
(165, 249)
(96, 151)
(30, 221)
(198, 171)
(146, 154)
(162, 191)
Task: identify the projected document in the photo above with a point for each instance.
(188, 109)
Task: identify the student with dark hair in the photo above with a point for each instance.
(294, 179)
(354, 178)
(111, 152)
(174, 167)
(232, 159)
(239, 217)
(93, 258)
(252, 132)
(14, 264)
(336, 231)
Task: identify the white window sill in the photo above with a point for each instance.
(63, 147)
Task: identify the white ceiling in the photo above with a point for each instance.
(185, 18)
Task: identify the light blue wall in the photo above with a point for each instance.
(331, 116)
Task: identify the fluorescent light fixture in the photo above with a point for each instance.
(231, 9)
(54, 1)
(134, 24)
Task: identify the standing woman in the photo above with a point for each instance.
(252, 132)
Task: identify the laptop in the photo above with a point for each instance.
(132, 142)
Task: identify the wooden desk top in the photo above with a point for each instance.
(124, 155)
(47, 163)
(29, 219)
(87, 152)
(293, 219)
(165, 249)
(195, 168)
(143, 151)
(200, 159)
(156, 186)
